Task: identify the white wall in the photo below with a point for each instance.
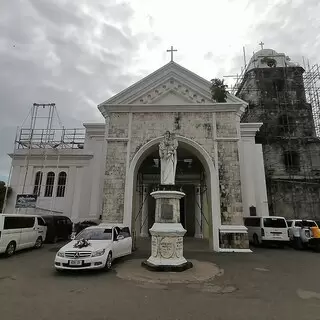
(253, 183)
(84, 168)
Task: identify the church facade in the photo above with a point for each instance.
(220, 167)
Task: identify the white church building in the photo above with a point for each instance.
(106, 171)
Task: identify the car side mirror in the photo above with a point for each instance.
(73, 236)
(120, 237)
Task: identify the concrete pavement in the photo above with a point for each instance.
(267, 284)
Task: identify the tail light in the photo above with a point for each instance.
(262, 232)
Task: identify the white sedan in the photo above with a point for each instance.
(94, 248)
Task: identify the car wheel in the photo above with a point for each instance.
(38, 243)
(255, 240)
(108, 265)
(11, 248)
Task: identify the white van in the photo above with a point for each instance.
(267, 229)
(20, 232)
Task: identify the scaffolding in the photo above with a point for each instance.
(46, 131)
(42, 132)
(287, 101)
(312, 88)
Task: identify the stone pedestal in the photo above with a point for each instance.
(167, 234)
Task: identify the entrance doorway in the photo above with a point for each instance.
(189, 176)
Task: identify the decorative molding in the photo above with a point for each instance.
(213, 107)
(250, 129)
(235, 250)
(228, 139)
(94, 130)
(172, 85)
(35, 154)
(116, 139)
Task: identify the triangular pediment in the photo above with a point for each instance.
(172, 91)
(170, 97)
(171, 84)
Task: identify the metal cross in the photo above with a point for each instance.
(172, 50)
(261, 44)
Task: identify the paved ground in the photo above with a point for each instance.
(268, 284)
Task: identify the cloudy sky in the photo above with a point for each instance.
(78, 53)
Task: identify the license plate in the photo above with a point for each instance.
(75, 262)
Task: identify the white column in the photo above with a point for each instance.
(197, 213)
(75, 211)
(144, 212)
(260, 183)
(94, 211)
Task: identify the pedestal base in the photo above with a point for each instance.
(166, 268)
(167, 248)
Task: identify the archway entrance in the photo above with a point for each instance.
(197, 177)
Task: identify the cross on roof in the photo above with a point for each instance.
(172, 50)
(261, 44)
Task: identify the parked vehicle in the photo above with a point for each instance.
(267, 229)
(314, 242)
(58, 228)
(19, 232)
(300, 232)
(94, 248)
(78, 227)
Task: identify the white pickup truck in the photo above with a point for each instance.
(300, 233)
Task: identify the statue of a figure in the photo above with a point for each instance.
(168, 155)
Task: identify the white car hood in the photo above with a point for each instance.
(94, 245)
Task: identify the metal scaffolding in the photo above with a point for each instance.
(46, 131)
(312, 88)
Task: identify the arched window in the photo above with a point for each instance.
(49, 184)
(37, 183)
(61, 188)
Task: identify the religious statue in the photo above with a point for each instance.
(168, 155)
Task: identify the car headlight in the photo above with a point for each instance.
(98, 253)
(60, 254)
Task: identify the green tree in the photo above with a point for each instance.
(3, 193)
(218, 90)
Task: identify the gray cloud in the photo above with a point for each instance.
(77, 53)
(292, 27)
(73, 53)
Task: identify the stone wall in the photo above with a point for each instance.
(115, 173)
(296, 199)
(230, 184)
(195, 126)
(276, 97)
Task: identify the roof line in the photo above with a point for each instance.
(201, 79)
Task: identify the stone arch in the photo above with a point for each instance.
(213, 182)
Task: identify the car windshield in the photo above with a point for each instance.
(309, 224)
(95, 234)
(274, 223)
